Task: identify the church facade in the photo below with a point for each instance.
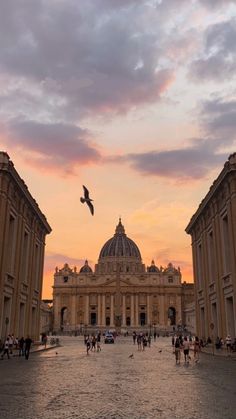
(121, 294)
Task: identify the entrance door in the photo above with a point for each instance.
(93, 319)
(142, 319)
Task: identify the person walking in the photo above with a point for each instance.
(186, 347)
(177, 350)
(88, 345)
(21, 346)
(28, 343)
(6, 349)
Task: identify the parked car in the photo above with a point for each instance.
(109, 338)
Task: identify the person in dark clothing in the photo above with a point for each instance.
(28, 343)
(6, 349)
(21, 344)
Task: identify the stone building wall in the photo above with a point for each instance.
(23, 228)
(213, 232)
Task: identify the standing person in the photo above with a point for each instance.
(88, 345)
(186, 346)
(196, 349)
(228, 342)
(6, 349)
(45, 339)
(173, 341)
(11, 341)
(134, 337)
(21, 346)
(28, 343)
(177, 350)
(155, 336)
(139, 341)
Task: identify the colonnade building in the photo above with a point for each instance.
(213, 232)
(23, 228)
(121, 293)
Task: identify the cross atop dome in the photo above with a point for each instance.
(120, 228)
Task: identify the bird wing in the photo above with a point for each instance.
(86, 192)
(90, 205)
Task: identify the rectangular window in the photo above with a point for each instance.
(226, 247)
(211, 258)
(25, 256)
(199, 266)
(11, 244)
(37, 266)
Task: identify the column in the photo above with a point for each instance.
(56, 314)
(86, 314)
(148, 310)
(73, 312)
(162, 310)
(103, 311)
(112, 311)
(99, 311)
(136, 311)
(132, 311)
(123, 311)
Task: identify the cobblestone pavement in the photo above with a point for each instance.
(65, 383)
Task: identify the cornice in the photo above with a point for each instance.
(7, 166)
(229, 167)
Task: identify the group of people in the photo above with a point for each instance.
(180, 343)
(92, 343)
(228, 343)
(142, 340)
(21, 345)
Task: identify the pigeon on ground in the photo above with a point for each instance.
(131, 356)
(160, 351)
(87, 200)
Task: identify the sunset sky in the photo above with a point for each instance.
(136, 99)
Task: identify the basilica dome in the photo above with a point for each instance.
(120, 246)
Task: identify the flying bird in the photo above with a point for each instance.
(88, 200)
(131, 356)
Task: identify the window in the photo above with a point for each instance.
(170, 279)
(65, 278)
(211, 258)
(199, 265)
(226, 247)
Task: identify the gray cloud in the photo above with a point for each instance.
(193, 162)
(57, 145)
(87, 55)
(215, 3)
(218, 60)
(218, 117)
